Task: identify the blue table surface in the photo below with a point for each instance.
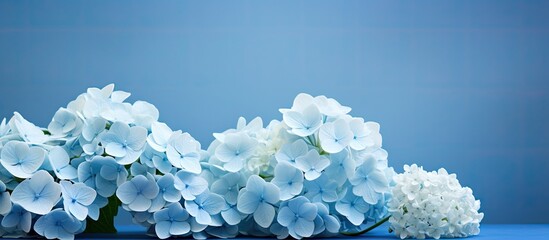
(487, 231)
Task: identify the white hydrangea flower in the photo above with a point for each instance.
(432, 204)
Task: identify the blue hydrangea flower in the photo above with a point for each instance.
(236, 148)
(144, 114)
(37, 194)
(353, 208)
(89, 173)
(60, 163)
(204, 206)
(329, 222)
(360, 132)
(125, 143)
(29, 132)
(157, 160)
(138, 193)
(368, 181)
(20, 159)
(303, 123)
(228, 186)
(183, 151)
(289, 152)
(335, 136)
(312, 164)
(298, 216)
(342, 167)
(76, 198)
(322, 189)
(5, 201)
(65, 123)
(159, 137)
(258, 197)
(190, 185)
(93, 128)
(18, 218)
(288, 179)
(172, 221)
(57, 224)
(166, 185)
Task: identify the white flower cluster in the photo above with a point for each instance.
(432, 204)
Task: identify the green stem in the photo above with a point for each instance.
(367, 229)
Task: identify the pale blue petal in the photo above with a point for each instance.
(304, 228)
(116, 149)
(213, 204)
(308, 211)
(271, 193)
(247, 201)
(180, 228)
(163, 229)
(231, 216)
(255, 184)
(285, 216)
(203, 217)
(264, 215)
(127, 192)
(137, 138)
(140, 203)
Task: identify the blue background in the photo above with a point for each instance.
(455, 84)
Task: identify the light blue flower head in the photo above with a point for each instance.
(303, 122)
(288, 179)
(27, 131)
(204, 206)
(37, 194)
(258, 198)
(172, 221)
(298, 216)
(20, 159)
(322, 189)
(353, 207)
(183, 151)
(60, 163)
(228, 186)
(159, 137)
(58, 224)
(335, 136)
(190, 185)
(369, 181)
(235, 150)
(157, 160)
(77, 198)
(125, 143)
(18, 219)
(89, 173)
(167, 190)
(312, 164)
(65, 124)
(289, 152)
(138, 193)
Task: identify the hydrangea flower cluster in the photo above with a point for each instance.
(97, 153)
(432, 204)
(318, 172)
(315, 173)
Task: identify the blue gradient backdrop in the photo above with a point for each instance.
(455, 84)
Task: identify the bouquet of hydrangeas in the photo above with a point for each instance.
(96, 154)
(318, 172)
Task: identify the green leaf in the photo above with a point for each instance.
(105, 223)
